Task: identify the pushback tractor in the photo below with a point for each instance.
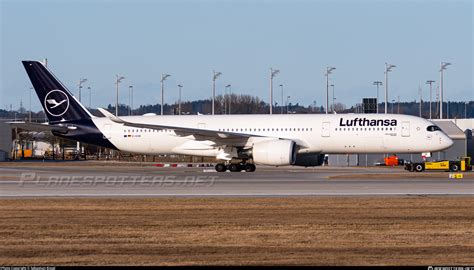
(463, 165)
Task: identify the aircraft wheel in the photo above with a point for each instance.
(250, 167)
(220, 167)
(234, 168)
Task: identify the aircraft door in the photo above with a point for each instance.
(405, 129)
(326, 130)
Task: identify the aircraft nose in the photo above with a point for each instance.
(446, 142)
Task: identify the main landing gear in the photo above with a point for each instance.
(235, 167)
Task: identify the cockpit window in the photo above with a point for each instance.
(433, 128)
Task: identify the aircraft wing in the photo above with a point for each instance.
(183, 131)
(37, 126)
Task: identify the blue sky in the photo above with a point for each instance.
(242, 39)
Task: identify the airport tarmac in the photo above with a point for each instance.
(102, 213)
(92, 179)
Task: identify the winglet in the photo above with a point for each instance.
(110, 116)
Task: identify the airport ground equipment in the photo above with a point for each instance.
(393, 161)
(463, 165)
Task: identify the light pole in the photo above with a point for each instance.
(398, 105)
(130, 90)
(333, 98)
(388, 68)
(447, 109)
(214, 78)
(273, 73)
(287, 104)
(442, 67)
(230, 98)
(163, 78)
(78, 144)
(281, 106)
(393, 102)
(328, 71)
(131, 103)
(437, 101)
(420, 92)
(377, 83)
(430, 82)
(179, 99)
(29, 114)
(117, 81)
(90, 97)
(81, 81)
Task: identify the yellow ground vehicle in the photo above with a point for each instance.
(464, 164)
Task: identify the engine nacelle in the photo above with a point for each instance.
(275, 153)
(309, 160)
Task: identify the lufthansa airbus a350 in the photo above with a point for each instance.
(238, 142)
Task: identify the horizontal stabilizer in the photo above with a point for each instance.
(111, 116)
(37, 126)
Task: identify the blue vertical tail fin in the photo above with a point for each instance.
(57, 101)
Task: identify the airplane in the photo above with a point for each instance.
(238, 142)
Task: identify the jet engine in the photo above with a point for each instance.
(275, 153)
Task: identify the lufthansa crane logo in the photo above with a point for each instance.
(56, 102)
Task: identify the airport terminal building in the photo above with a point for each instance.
(5, 141)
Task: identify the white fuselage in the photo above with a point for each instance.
(314, 133)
